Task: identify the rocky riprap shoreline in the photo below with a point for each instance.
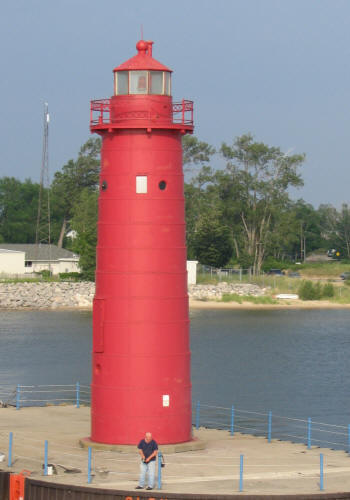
(55, 295)
(215, 292)
(45, 295)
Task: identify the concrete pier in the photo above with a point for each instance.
(276, 468)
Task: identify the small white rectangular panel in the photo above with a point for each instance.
(166, 400)
(141, 184)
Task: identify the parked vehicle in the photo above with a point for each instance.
(335, 254)
(345, 276)
(294, 274)
(276, 272)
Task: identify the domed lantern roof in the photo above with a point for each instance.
(143, 59)
(142, 74)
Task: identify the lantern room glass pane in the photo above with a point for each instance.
(122, 83)
(138, 82)
(167, 86)
(156, 82)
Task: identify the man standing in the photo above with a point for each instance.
(148, 450)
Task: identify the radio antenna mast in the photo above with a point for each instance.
(43, 223)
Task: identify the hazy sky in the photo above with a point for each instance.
(279, 69)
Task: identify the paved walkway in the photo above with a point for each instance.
(269, 468)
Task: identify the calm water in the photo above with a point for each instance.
(294, 363)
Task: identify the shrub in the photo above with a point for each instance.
(234, 297)
(318, 291)
(245, 261)
(307, 291)
(271, 263)
(231, 297)
(45, 273)
(328, 290)
(70, 276)
(310, 291)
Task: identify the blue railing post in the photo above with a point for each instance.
(89, 464)
(198, 409)
(46, 457)
(9, 462)
(77, 391)
(269, 427)
(241, 473)
(349, 438)
(18, 397)
(232, 420)
(160, 470)
(321, 471)
(309, 433)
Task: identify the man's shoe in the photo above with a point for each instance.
(149, 488)
(139, 488)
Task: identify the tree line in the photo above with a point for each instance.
(241, 214)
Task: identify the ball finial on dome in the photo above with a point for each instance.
(142, 46)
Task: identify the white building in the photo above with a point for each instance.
(19, 259)
(11, 261)
(192, 272)
(26, 259)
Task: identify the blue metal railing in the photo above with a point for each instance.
(91, 466)
(232, 419)
(41, 395)
(7, 394)
(312, 433)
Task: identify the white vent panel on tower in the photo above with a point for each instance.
(141, 184)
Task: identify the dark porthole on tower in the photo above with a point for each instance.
(162, 185)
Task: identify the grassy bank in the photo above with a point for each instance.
(321, 274)
(41, 278)
(341, 296)
(234, 297)
(330, 270)
(327, 270)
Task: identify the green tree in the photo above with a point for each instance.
(283, 240)
(201, 202)
(343, 229)
(328, 217)
(335, 228)
(213, 243)
(84, 222)
(18, 210)
(196, 155)
(76, 176)
(309, 228)
(195, 152)
(256, 181)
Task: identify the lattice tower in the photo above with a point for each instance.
(43, 223)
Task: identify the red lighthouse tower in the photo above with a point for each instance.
(141, 358)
